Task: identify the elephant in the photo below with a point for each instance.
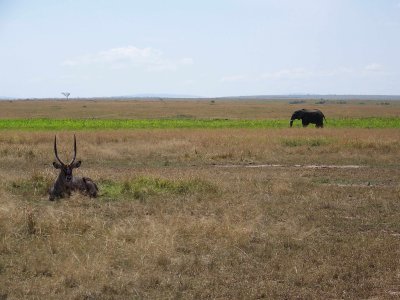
(307, 116)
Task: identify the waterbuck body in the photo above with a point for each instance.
(66, 183)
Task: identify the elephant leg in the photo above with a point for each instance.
(305, 123)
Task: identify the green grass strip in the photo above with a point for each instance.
(95, 124)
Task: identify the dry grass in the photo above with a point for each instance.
(174, 221)
(222, 109)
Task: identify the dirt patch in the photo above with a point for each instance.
(293, 166)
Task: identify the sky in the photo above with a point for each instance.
(207, 48)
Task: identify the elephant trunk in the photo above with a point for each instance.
(291, 123)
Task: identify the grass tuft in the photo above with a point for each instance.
(37, 186)
(142, 187)
(311, 142)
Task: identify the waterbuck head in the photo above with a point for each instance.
(65, 169)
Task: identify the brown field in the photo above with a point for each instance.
(222, 213)
(139, 109)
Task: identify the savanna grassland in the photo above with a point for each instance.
(237, 211)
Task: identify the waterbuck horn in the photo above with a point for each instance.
(55, 150)
(73, 160)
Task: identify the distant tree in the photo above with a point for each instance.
(66, 94)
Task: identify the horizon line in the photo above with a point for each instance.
(177, 96)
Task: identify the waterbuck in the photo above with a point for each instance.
(66, 182)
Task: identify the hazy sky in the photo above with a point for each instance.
(204, 48)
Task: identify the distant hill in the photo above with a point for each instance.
(174, 96)
(318, 97)
(157, 97)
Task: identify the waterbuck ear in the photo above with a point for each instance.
(76, 164)
(56, 165)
